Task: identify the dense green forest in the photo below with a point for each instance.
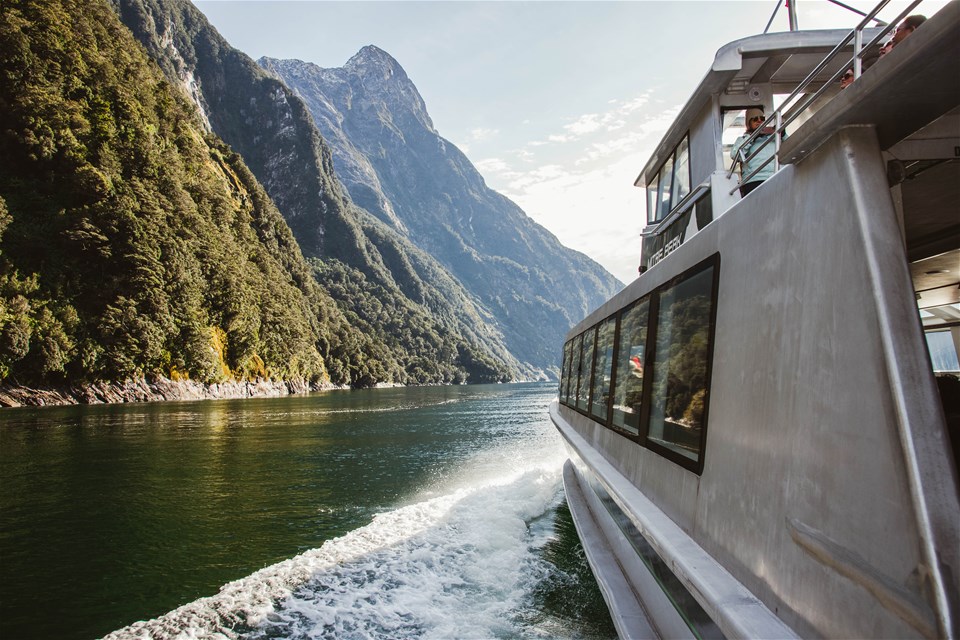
(134, 243)
(429, 351)
(272, 130)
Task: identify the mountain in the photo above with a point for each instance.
(132, 242)
(169, 209)
(435, 328)
(396, 165)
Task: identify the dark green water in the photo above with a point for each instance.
(114, 514)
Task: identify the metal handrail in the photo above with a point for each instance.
(692, 198)
(859, 49)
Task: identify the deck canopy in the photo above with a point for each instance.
(780, 61)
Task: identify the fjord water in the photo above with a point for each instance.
(430, 512)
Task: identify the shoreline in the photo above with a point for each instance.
(162, 389)
(152, 390)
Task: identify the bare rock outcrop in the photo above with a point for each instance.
(149, 390)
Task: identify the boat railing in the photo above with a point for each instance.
(789, 111)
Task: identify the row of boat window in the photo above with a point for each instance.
(645, 371)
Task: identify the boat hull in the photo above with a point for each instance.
(827, 497)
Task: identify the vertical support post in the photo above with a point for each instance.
(857, 47)
(792, 13)
(777, 134)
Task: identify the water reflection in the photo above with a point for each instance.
(110, 514)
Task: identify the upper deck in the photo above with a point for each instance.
(909, 96)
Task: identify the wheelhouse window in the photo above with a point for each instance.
(664, 189)
(681, 173)
(681, 365)
(671, 184)
(603, 370)
(628, 395)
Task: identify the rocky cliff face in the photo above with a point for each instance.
(465, 268)
(254, 113)
(395, 164)
(377, 273)
(149, 390)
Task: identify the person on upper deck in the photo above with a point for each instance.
(905, 28)
(846, 79)
(754, 118)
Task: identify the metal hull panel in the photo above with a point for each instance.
(825, 431)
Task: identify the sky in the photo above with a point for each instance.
(558, 104)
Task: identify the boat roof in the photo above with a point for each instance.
(782, 59)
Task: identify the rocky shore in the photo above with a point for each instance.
(148, 390)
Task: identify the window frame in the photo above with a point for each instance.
(605, 419)
(649, 359)
(577, 347)
(648, 299)
(655, 195)
(585, 370)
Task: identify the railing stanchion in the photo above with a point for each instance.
(777, 133)
(857, 46)
(857, 61)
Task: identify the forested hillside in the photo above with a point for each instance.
(135, 243)
(426, 316)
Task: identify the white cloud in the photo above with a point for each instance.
(598, 212)
(483, 134)
(525, 155)
(585, 124)
(492, 165)
(586, 196)
(635, 104)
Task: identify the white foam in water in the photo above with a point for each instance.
(456, 565)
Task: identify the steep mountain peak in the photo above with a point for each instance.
(372, 57)
(376, 77)
(387, 153)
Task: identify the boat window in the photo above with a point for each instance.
(603, 370)
(630, 361)
(652, 199)
(671, 184)
(681, 172)
(576, 355)
(681, 365)
(943, 352)
(586, 366)
(572, 372)
(663, 190)
(565, 373)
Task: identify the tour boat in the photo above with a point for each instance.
(758, 444)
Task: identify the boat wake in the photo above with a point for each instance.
(462, 564)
